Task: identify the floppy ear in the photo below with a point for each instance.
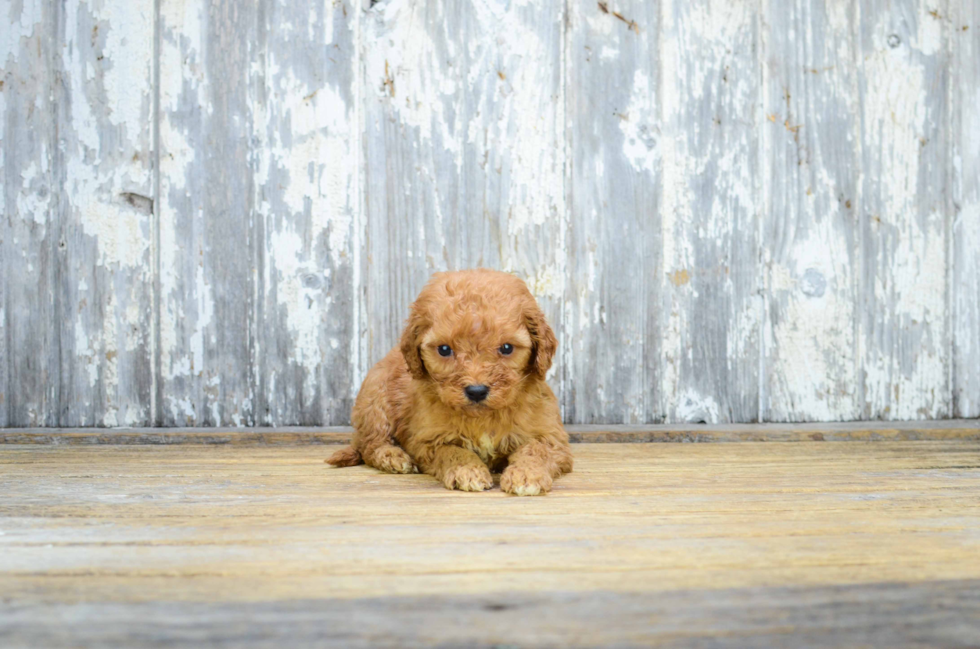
(411, 338)
(543, 341)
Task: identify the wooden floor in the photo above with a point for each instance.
(749, 544)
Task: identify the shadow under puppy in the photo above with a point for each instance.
(465, 393)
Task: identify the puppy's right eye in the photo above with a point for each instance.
(445, 350)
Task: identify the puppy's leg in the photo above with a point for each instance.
(376, 449)
(532, 468)
(373, 440)
(458, 468)
(388, 458)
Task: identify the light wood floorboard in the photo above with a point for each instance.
(715, 544)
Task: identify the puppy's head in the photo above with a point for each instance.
(477, 336)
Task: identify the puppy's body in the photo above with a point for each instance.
(414, 408)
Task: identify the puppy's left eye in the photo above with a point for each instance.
(445, 350)
(506, 349)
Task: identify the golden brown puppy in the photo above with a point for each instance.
(465, 393)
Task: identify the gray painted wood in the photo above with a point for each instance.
(105, 141)
(905, 335)
(710, 93)
(306, 162)
(411, 181)
(216, 213)
(77, 147)
(30, 379)
(615, 281)
(206, 216)
(964, 39)
(463, 152)
(811, 132)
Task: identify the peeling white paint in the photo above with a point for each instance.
(318, 162)
(126, 25)
(413, 75)
(18, 28)
(97, 178)
(695, 408)
(639, 132)
(465, 122)
(30, 201)
(303, 305)
(965, 230)
(909, 283)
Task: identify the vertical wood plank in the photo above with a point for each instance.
(411, 148)
(905, 333)
(965, 147)
(30, 214)
(106, 280)
(206, 207)
(306, 196)
(463, 151)
(811, 234)
(615, 279)
(512, 148)
(709, 206)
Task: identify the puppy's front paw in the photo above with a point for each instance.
(525, 480)
(468, 477)
(393, 460)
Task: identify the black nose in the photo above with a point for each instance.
(477, 393)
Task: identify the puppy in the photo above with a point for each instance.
(464, 394)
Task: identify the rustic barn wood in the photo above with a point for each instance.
(305, 161)
(964, 213)
(807, 544)
(215, 212)
(905, 326)
(464, 152)
(30, 381)
(206, 215)
(812, 130)
(614, 278)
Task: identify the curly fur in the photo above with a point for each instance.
(412, 412)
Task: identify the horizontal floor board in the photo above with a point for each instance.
(750, 544)
(940, 613)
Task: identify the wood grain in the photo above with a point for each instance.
(811, 237)
(77, 159)
(712, 316)
(942, 613)
(463, 152)
(305, 140)
(30, 380)
(848, 543)
(964, 40)
(215, 213)
(206, 216)
(105, 132)
(905, 333)
(615, 281)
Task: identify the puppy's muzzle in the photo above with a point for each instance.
(476, 393)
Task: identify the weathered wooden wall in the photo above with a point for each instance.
(215, 212)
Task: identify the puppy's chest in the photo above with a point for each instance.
(486, 445)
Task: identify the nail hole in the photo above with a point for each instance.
(142, 203)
